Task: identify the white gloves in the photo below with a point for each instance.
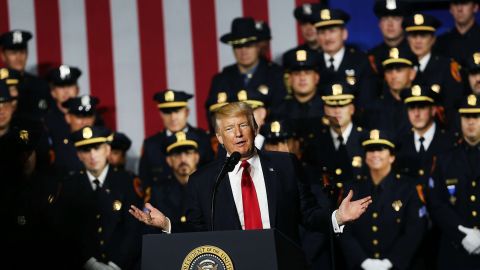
(471, 241)
(93, 264)
(376, 264)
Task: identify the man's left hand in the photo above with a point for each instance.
(351, 210)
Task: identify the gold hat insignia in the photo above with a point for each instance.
(435, 88)
(397, 205)
(301, 55)
(275, 127)
(476, 58)
(117, 205)
(87, 133)
(4, 73)
(418, 19)
(374, 134)
(23, 134)
(337, 89)
(472, 100)
(221, 97)
(242, 95)
(325, 14)
(181, 136)
(416, 90)
(169, 96)
(394, 53)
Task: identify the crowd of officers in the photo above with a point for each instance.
(400, 123)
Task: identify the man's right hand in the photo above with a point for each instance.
(151, 216)
(471, 241)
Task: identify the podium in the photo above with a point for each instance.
(221, 250)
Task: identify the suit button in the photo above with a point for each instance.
(338, 171)
(421, 172)
(339, 185)
(375, 242)
(376, 255)
(100, 229)
(65, 141)
(474, 213)
(474, 184)
(473, 198)
(98, 216)
(104, 256)
(374, 228)
(102, 242)
(374, 215)
(183, 219)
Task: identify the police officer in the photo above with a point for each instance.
(473, 73)
(250, 72)
(433, 68)
(304, 14)
(341, 63)
(280, 136)
(464, 39)
(303, 78)
(390, 232)
(81, 112)
(120, 145)
(34, 95)
(264, 37)
(454, 194)
(93, 207)
(173, 107)
(170, 197)
(390, 14)
(12, 79)
(388, 111)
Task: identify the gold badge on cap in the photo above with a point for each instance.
(4, 73)
(472, 100)
(275, 127)
(87, 133)
(374, 134)
(23, 134)
(181, 136)
(418, 19)
(435, 88)
(301, 55)
(476, 58)
(169, 96)
(416, 90)
(325, 14)
(221, 97)
(357, 162)
(337, 89)
(263, 89)
(242, 95)
(394, 53)
(397, 205)
(117, 205)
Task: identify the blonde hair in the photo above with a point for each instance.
(234, 109)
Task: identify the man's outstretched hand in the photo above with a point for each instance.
(151, 216)
(351, 210)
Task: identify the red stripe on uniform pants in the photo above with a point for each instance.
(152, 55)
(299, 31)
(4, 23)
(204, 39)
(47, 26)
(100, 58)
(257, 9)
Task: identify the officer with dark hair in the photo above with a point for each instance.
(120, 145)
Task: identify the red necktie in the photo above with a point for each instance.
(251, 209)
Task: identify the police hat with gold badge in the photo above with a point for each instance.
(421, 23)
(398, 57)
(378, 139)
(10, 76)
(337, 94)
(384, 8)
(221, 99)
(120, 141)
(82, 105)
(5, 95)
(299, 59)
(470, 105)
(171, 99)
(277, 130)
(305, 13)
(421, 94)
(15, 40)
(91, 135)
(243, 32)
(326, 17)
(64, 75)
(254, 99)
(181, 141)
(473, 63)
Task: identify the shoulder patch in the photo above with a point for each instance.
(371, 59)
(137, 186)
(455, 71)
(421, 196)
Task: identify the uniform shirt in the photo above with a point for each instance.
(458, 46)
(100, 178)
(337, 58)
(422, 63)
(345, 135)
(428, 136)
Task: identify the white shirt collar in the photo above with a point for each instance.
(100, 178)
(259, 140)
(424, 61)
(254, 162)
(337, 58)
(428, 136)
(345, 134)
(169, 133)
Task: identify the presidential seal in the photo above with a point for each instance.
(207, 258)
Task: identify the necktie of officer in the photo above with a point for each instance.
(251, 209)
(97, 185)
(422, 147)
(331, 67)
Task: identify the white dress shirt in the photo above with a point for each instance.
(345, 135)
(101, 177)
(337, 58)
(169, 133)
(428, 136)
(422, 63)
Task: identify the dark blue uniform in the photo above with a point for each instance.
(34, 97)
(458, 46)
(392, 227)
(96, 223)
(380, 52)
(291, 108)
(454, 200)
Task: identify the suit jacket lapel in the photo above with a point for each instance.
(270, 177)
(226, 202)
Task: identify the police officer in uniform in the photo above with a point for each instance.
(390, 232)
(34, 95)
(304, 14)
(454, 194)
(173, 107)
(390, 14)
(433, 68)
(464, 39)
(120, 145)
(250, 72)
(264, 38)
(182, 158)
(93, 207)
(341, 63)
(473, 73)
(12, 79)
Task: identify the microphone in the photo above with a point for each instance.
(228, 166)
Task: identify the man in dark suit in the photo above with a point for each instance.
(264, 190)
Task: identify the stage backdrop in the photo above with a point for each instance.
(128, 50)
